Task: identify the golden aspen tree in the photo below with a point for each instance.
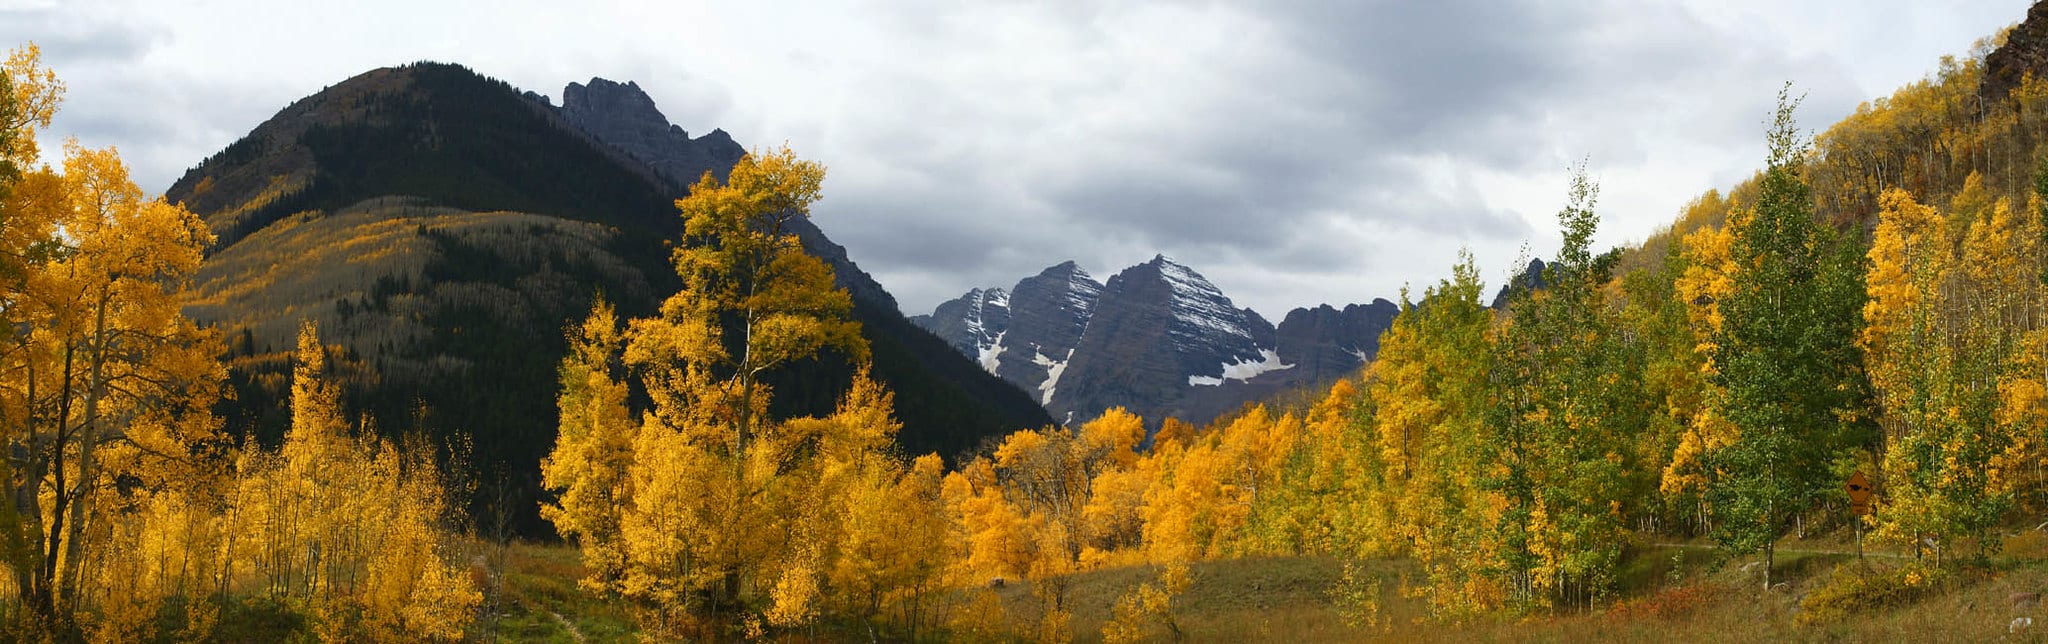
(1318, 506)
(1427, 390)
(718, 517)
(346, 526)
(1704, 282)
(995, 545)
(593, 450)
(2021, 467)
(1149, 604)
(1031, 509)
(1113, 521)
(895, 554)
(29, 96)
(751, 301)
(105, 377)
(1945, 330)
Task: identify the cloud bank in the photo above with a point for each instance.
(1296, 152)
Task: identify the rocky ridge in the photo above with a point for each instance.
(624, 117)
(1158, 339)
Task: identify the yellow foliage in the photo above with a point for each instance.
(1148, 604)
(592, 450)
(37, 92)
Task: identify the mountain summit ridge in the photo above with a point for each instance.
(1158, 338)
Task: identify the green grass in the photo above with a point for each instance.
(539, 600)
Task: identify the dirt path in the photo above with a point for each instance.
(567, 626)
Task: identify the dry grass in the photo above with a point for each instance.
(1288, 599)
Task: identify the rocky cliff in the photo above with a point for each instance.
(2024, 52)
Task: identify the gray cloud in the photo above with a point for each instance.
(63, 36)
(1296, 152)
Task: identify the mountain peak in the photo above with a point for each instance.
(624, 118)
(623, 115)
(1068, 271)
(600, 91)
(1158, 339)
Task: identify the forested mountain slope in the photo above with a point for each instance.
(444, 228)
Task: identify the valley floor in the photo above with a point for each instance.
(1292, 600)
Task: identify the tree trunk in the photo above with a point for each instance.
(88, 443)
(1770, 556)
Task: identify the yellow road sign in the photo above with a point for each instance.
(1859, 493)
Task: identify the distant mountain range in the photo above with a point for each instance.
(1158, 339)
(443, 228)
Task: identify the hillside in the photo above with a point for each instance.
(443, 229)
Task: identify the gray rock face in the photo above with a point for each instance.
(1325, 343)
(2025, 52)
(1025, 334)
(1160, 331)
(972, 324)
(1158, 339)
(1530, 279)
(1048, 313)
(624, 117)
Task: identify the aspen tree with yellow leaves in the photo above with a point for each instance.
(593, 450)
(1951, 305)
(715, 517)
(101, 376)
(126, 497)
(346, 525)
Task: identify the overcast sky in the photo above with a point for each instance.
(1295, 152)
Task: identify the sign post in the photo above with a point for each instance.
(1859, 506)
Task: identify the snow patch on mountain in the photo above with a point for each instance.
(1243, 370)
(1053, 369)
(991, 355)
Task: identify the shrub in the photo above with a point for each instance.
(1669, 603)
(1851, 590)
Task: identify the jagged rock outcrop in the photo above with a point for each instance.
(624, 117)
(1025, 334)
(1530, 279)
(1048, 313)
(2025, 52)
